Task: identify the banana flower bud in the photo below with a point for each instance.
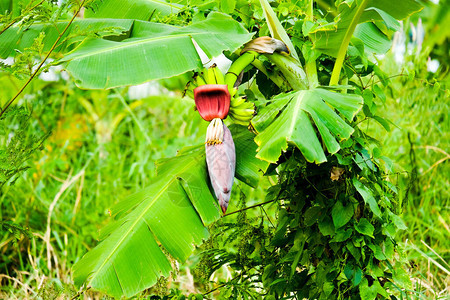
(221, 161)
(265, 44)
(213, 104)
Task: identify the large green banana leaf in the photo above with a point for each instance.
(334, 41)
(164, 215)
(131, 9)
(166, 219)
(98, 63)
(150, 50)
(293, 125)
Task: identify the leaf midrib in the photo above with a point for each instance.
(137, 220)
(294, 116)
(346, 41)
(130, 44)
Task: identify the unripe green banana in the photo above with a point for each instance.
(235, 102)
(243, 112)
(208, 75)
(239, 122)
(237, 118)
(232, 91)
(218, 75)
(199, 80)
(245, 105)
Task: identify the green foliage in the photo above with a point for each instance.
(117, 164)
(323, 231)
(331, 240)
(148, 215)
(17, 39)
(421, 127)
(168, 214)
(335, 230)
(16, 147)
(294, 126)
(161, 45)
(331, 256)
(15, 230)
(330, 38)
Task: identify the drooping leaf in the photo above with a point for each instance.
(170, 214)
(131, 9)
(334, 41)
(105, 64)
(294, 125)
(399, 10)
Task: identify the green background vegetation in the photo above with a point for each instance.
(102, 145)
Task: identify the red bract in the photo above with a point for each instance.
(212, 101)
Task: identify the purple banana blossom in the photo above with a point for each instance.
(221, 161)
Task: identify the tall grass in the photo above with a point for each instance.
(419, 143)
(102, 148)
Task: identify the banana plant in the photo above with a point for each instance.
(304, 118)
(216, 96)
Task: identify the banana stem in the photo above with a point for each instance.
(238, 66)
(346, 41)
(274, 77)
(310, 65)
(291, 69)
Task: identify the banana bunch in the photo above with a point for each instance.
(211, 75)
(241, 111)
